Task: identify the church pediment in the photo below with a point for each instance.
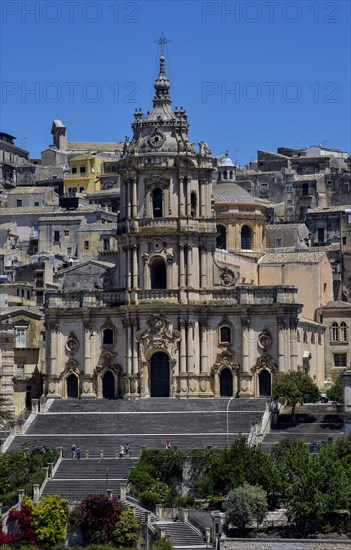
(88, 276)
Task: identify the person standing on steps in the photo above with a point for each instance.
(121, 451)
(74, 450)
(78, 453)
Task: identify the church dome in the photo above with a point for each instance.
(226, 161)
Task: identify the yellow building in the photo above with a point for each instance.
(84, 174)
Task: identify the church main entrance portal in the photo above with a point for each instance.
(264, 381)
(108, 386)
(72, 386)
(226, 383)
(160, 375)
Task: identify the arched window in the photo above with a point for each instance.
(305, 338)
(158, 274)
(221, 240)
(319, 339)
(107, 336)
(193, 204)
(298, 338)
(231, 174)
(225, 335)
(313, 338)
(334, 332)
(157, 203)
(225, 175)
(343, 332)
(246, 238)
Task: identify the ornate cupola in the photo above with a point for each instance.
(226, 169)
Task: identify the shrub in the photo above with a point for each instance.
(50, 519)
(97, 517)
(127, 531)
(162, 544)
(245, 505)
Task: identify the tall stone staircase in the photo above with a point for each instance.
(313, 424)
(182, 535)
(100, 427)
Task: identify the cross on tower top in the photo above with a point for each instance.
(162, 42)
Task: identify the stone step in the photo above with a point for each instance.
(158, 404)
(181, 534)
(109, 444)
(94, 468)
(142, 423)
(75, 490)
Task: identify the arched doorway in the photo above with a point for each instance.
(226, 383)
(108, 385)
(72, 386)
(160, 375)
(264, 382)
(158, 274)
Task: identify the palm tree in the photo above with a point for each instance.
(6, 415)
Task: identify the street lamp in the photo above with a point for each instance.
(228, 405)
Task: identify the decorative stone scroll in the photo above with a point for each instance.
(226, 359)
(158, 336)
(265, 362)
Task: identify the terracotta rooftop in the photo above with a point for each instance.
(292, 258)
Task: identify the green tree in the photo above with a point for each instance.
(335, 393)
(295, 387)
(244, 505)
(127, 531)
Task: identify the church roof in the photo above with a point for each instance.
(337, 304)
(292, 258)
(231, 193)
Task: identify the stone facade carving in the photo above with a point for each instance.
(157, 337)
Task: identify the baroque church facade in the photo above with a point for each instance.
(170, 318)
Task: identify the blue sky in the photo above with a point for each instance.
(251, 74)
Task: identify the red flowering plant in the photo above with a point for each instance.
(20, 521)
(97, 517)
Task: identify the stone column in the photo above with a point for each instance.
(246, 376)
(129, 347)
(135, 266)
(181, 266)
(53, 339)
(197, 348)
(129, 199)
(245, 344)
(135, 212)
(135, 351)
(190, 265)
(145, 258)
(181, 197)
(182, 324)
(188, 197)
(202, 183)
(128, 264)
(203, 270)
(203, 350)
(87, 351)
(281, 345)
(190, 344)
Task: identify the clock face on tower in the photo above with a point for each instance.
(72, 344)
(156, 140)
(157, 244)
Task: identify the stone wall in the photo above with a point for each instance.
(293, 544)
